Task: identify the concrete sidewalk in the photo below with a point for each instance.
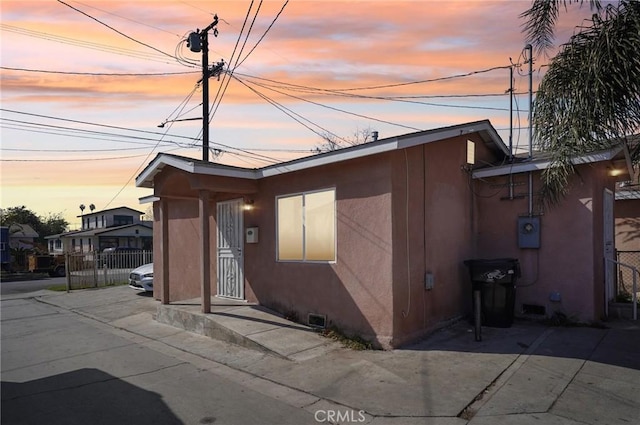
(528, 373)
(248, 325)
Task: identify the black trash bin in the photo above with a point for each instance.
(496, 281)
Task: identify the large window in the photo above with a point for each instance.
(122, 220)
(307, 226)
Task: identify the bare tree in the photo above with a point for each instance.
(332, 142)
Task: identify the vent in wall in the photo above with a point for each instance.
(534, 309)
(317, 320)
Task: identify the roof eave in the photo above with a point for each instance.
(146, 177)
(484, 128)
(537, 165)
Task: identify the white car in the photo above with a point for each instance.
(141, 278)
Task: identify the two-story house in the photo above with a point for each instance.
(115, 227)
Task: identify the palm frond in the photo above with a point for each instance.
(589, 99)
(541, 19)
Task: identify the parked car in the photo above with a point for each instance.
(141, 279)
(121, 257)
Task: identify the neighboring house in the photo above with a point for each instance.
(561, 250)
(22, 236)
(372, 238)
(105, 229)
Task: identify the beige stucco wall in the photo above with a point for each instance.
(183, 236)
(354, 292)
(438, 234)
(570, 259)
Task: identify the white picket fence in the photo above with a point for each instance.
(95, 269)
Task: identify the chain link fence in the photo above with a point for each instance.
(625, 275)
(95, 269)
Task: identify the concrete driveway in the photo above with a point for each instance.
(63, 351)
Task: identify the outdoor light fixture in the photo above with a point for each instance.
(614, 172)
(248, 205)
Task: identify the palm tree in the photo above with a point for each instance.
(589, 99)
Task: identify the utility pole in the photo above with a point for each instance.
(199, 41)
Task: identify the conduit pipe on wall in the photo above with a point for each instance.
(405, 314)
(530, 50)
(511, 130)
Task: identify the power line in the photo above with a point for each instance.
(127, 19)
(264, 34)
(74, 159)
(85, 44)
(115, 30)
(345, 112)
(68, 132)
(99, 74)
(291, 113)
(226, 79)
(181, 145)
(431, 80)
(94, 124)
(198, 8)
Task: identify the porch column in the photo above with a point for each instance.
(164, 250)
(205, 251)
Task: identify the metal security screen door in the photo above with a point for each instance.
(229, 251)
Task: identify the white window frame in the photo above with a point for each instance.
(335, 227)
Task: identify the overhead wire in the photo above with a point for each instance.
(136, 138)
(138, 54)
(263, 35)
(79, 133)
(342, 110)
(101, 74)
(126, 19)
(115, 127)
(226, 79)
(291, 114)
(116, 30)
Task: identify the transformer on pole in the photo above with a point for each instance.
(199, 41)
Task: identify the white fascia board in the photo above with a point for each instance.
(449, 133)
(148, 199)
(523, 167)
(145, 179)
(316, 161)
(214, 170)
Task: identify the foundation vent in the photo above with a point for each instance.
(534, 309)
(317, 320)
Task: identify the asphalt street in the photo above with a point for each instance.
(59, 367)
(10, 287)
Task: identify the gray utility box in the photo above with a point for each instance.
(529, 232)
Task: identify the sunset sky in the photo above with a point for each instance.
(75, 130)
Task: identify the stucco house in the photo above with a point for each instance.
(372, 238)
(121, 226)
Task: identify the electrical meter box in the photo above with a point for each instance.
(529, 232)
(252, 235)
